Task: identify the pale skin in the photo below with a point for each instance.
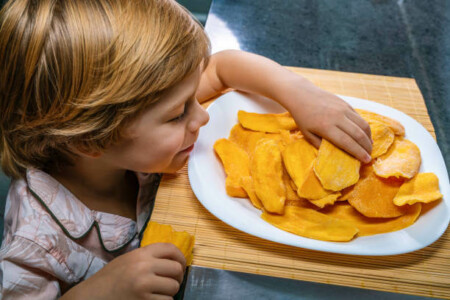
(103, 182)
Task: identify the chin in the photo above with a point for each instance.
(176, 166)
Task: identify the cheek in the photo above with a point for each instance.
(165, 148)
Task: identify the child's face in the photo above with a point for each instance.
(161, 139)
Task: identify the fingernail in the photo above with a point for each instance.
(367, 158)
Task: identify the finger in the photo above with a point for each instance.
(355, 117)
(164, 286)
(169, 268)
(355, 132)
(348, 144)
(312, 138)
(168, 251)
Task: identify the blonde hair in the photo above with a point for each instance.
(73, 72)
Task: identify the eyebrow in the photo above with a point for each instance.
(185, 99)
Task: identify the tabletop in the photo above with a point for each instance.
(394, 38)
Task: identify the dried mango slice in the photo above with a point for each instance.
(335, 168)
(248, 186)
(382, 137)
(266, 122)
(298, 158)
(371, 226)
(365, 171)
(291, 193)
(402, 160)
(312, 188)
(325, 201)
(373, 197)
(266, 169)
(314, 192)
(236, 164)
(247, 139)
(160, 233)
(371, 117)
(422, 188)
(309, 223)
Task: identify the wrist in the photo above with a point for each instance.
(295, 90)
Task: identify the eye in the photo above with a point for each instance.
(181, 116)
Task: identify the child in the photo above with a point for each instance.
(96, 96)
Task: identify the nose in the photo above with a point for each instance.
(201, 118)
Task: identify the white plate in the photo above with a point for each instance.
(207, 180)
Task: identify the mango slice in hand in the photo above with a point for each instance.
(371, 226)
(160, 233)
(335, 168)
(236, 164)
(424, 187)
(402, 160)
(266, 169)
(371, 117)
(373, 197)
(309, 223)
(382, 137)
(266, 122)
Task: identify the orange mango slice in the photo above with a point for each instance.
(402, 160)
(309, 223)
(298, 158)
(382, 137)
(246, 139)
(424, 187)
(236, 164)
(291, 192)
(266, 168)
(335, 168)
(266, 122)
(371, 117)
(247, 184)
(160, 233)
(313, 191)
(370, 226)
(373, 197)
(325, 201)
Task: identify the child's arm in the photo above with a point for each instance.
(318, 113)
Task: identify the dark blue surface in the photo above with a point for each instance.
(205, 283)
(384, 37)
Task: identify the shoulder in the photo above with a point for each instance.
(26, 217)
(32, 239)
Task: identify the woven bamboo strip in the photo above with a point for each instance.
(425, 272)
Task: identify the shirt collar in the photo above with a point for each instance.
(77, 220)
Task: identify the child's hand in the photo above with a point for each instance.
(152, 272)
(318, 113)
(322, 114)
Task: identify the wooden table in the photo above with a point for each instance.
(425, 272)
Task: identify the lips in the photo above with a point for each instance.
(188, 149)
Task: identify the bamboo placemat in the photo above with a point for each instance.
(425, 272)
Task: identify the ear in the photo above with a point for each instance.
(91, 154)
(88, 153)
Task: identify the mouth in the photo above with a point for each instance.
(188, 149)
